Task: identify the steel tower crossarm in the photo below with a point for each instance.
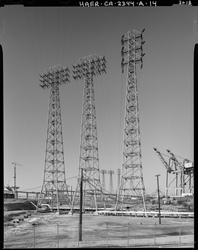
(92, 65)
(132, 50)
(54, 76)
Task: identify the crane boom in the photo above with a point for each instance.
(178, 164)
(167, 166)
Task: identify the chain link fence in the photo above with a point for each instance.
(107, 234)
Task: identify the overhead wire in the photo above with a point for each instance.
(121, 125)
(107, 193)
(102, 125)
(58, 58)
(106, 112)
(31, 188)
(66, 35)
(169, 156)
(40, 36)
(58, 10)
(45, 36)
(41, 186)
(31, 36)
(180, 157)
(61, 37)
(107, 116)
(35, 35)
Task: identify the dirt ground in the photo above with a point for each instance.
(51, 230)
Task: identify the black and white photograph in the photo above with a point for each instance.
(98, 124)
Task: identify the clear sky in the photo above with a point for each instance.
(34, 39)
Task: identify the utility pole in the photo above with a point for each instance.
(15, 187)
(81, 203)
(158, 197)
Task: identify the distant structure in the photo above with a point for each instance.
(54, 188)
(8, 193)
(132, 183)
(103, 172)
(179, 175)
(87, 68)
(111, 172)
(119, 175)
(15, 186)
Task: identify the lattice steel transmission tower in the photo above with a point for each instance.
(111, 172)
(87, 68)
(132, 183)
(119, 175)
(54, 188)
(103, 172)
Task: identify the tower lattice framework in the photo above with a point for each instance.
(132, 183)
(54, 189)
(87, 68)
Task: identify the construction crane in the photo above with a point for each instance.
(169, 170)
(189, 173)
(186, 164)
(186, 173)
(167, 165)
(175, 160)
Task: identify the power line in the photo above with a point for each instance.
(41, 186)
(32, 188)
(174, 154)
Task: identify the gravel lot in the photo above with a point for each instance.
(50, 230)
